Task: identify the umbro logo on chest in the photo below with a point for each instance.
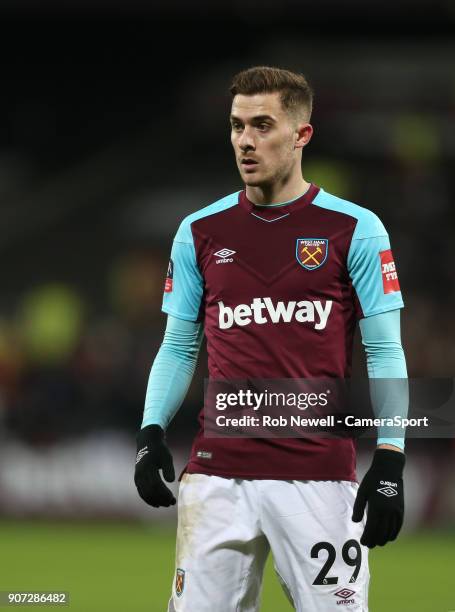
(224, 256)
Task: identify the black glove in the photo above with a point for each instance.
(153, 455)
(382, 488)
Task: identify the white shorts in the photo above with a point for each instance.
(226, 527)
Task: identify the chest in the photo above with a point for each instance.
(291, 258)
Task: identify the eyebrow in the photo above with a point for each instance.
(256, 118)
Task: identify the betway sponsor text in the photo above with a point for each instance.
(263, 310)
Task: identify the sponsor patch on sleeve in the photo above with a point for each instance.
(389, 274)
(169, 277)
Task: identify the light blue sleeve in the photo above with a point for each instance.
(366, 268)
(172, 371)
(184, 289)
(381, 338)
(184, 283)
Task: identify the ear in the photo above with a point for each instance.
(303, 134)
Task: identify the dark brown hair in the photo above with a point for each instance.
(295, 93)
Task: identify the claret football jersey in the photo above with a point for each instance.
(279, 291)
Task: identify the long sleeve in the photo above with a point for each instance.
(172, 371)
(385, 360)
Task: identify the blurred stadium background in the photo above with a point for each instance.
(113, 127)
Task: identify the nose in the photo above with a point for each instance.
(246, 140)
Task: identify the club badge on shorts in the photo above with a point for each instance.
(179, 582)
(311, 253)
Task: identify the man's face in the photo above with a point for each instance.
(264, 138)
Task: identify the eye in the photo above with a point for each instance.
(236, 127)
(263, 127)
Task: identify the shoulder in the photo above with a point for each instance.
(184, 230)
(368, 225)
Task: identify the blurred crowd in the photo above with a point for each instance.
(66, 369)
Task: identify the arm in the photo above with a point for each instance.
(170, 377)
(378, 298)
(382, 486)
(172, 369)
(385, 360)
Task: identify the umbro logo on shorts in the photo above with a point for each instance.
(345, 596)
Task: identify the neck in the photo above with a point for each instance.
(279, 191)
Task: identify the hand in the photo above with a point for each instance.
(153, 455)
(382, 488)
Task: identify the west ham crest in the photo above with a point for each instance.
(311, 253)
(179, 582)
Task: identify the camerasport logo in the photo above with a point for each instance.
(389, 274)
(169, 277)
(345, 596)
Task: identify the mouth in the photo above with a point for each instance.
(248, 162)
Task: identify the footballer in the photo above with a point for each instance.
(279, 240)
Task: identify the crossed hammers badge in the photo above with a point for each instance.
(311, 253)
